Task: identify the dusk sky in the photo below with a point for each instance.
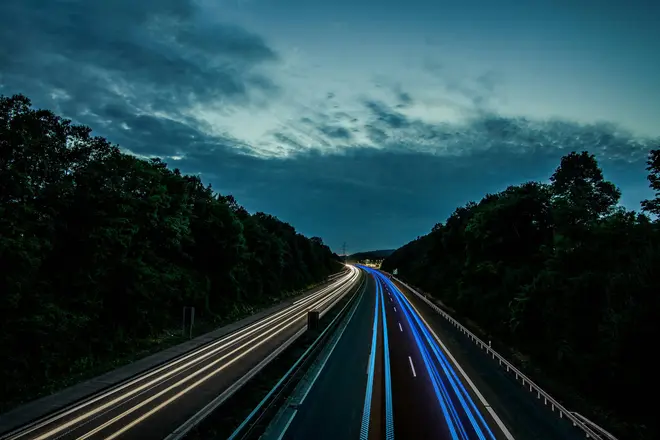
(363, 122)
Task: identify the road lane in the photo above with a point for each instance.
(156, 402)
(416, 410)
(430, 400)
(49, 405)
(524, 415)
(442, 406)
(332, 408)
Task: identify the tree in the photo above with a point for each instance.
(561, 274)
(653, 162)
(580, 189)
(100, 250)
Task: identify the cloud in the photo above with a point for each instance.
(336, 133)
(476, 91)
(384, 197)
(405, 100)
(374, 161)
(135, 64)
(387, 116)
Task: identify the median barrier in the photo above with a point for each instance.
(275, 395)
(279, 394)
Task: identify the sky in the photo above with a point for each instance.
(361, 122)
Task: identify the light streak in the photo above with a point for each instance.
(286, 318)
(464, 399)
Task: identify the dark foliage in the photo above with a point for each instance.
(371, 255)
(99, 250)
(562, 274)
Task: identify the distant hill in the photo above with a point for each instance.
(371, 255)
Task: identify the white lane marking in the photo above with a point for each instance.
(499, 422)
(332, 349)
(412, 367)
(210, 350)
(400, 328)
(395, 309)
(274, 332)
(506, 432)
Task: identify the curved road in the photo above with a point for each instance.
(388, 378)
(441, 386)
(433, 400)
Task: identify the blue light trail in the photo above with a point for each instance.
(450, 411)
(366, 411)
(389, 412)
(456, 384)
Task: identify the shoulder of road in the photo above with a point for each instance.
(50, 404)
(524, 413)
(337, 381)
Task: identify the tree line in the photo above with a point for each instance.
(100, 250)
(563, 274)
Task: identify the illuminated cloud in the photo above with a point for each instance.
(351, 122)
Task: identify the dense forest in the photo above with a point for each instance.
(100, 250)
(562, 274)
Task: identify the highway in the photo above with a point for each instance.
(524, 414)
(387, 377)
(415, 377)
(340, 383)
(432, 399)
(154, 403)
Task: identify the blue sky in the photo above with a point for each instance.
(357, 121)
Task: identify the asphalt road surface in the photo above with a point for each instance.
(332, 408)
(524, 415)
(387, 378)
(431, 398)
(153, 404)
(440, 384)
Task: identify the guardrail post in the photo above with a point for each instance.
(188, 321)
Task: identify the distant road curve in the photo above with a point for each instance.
(154, 403)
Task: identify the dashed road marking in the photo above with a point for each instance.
(412, 367)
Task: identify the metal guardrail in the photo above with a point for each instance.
(280, 392)
(182, 431)
(595, 426)
(590, 429)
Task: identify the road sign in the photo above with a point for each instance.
(396, 272)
